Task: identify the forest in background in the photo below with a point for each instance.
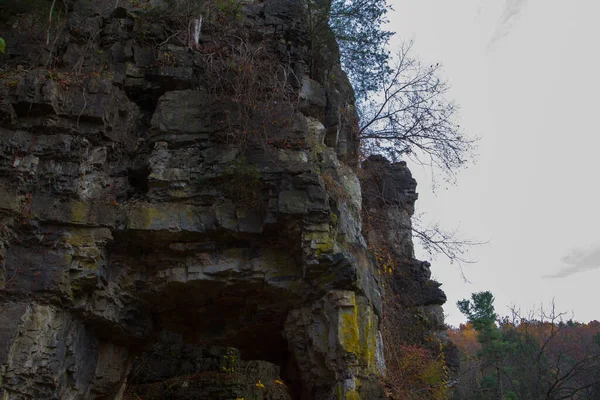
(541, 354)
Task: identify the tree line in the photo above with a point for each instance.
(539, 355)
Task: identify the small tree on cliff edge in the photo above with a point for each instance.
(358, 28)
(410, 116)
(402, 104)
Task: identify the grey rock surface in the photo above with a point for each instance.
(150, 219)
(158, 223)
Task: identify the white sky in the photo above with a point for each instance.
(526, 74)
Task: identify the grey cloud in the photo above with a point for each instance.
(578, 260)
(510, 15)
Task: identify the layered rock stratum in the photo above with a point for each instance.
(159, 236)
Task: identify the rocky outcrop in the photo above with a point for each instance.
(182, 219)
(142, 226)
(389, 192)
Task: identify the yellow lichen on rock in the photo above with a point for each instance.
(348, 328)
(368, 342)
(352, 395)
(80, 211)
(349, 334)
(357, 330)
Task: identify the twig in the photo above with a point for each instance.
(171, 37)
(4, 285)
(84, 106)
(52, 50)
(50, 22)
(77, 69)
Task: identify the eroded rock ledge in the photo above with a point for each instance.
(144, 249)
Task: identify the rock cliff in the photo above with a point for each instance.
(179, 197)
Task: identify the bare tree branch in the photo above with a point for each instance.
(410, 116)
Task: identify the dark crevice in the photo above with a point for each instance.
(138, 180)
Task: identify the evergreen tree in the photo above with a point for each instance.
(480, 312)
(358, 28)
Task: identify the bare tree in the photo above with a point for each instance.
(436, 240)
(410, 116)
(564, 364)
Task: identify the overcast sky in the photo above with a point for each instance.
(526, 74)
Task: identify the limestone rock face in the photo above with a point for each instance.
(149, 223)
(389, 192)
(54, 355)
(342, 332)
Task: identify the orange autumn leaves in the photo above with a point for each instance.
(565, 336)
